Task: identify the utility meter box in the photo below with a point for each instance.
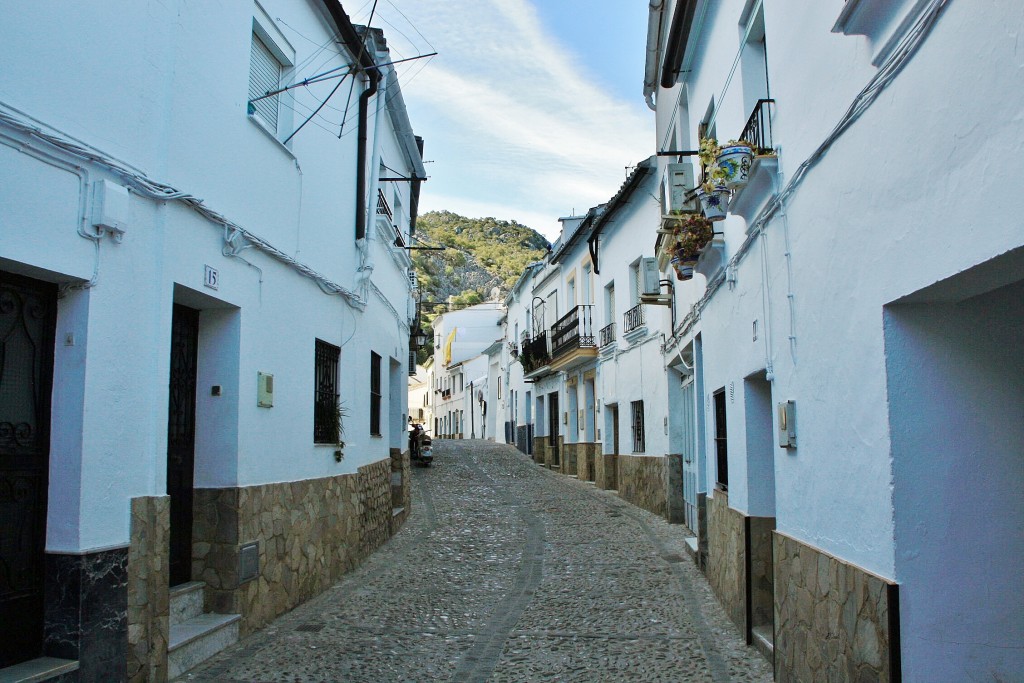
(787, 424)
(264, 390)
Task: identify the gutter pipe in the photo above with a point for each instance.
(675, 46)
(355, 45)
(653, 51)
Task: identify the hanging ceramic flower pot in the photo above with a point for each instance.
(715, 203)
(735, 160)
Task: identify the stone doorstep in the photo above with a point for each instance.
(196, 640)
(186, 601)
(763, 641)
(39, 669)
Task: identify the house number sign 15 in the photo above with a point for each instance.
(211, 278)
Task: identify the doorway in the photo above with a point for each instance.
(28, 315)
(688, 444)
(553, 427)
(181, 438)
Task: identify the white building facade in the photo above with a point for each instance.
(206, 318)
(833, 419)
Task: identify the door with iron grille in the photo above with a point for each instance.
(553, 427)
(181, 438)
(28, 311)
(687, 407)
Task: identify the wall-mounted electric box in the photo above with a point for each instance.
(110, 206)
(787, 424)
(264, 390)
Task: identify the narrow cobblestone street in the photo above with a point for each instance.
(506, 572)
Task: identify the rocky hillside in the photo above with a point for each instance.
(482, 254)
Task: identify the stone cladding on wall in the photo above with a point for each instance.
(833, 620)
(309, 533)
(540, 449)
(570, 458)
(401, 488)
(375, 499)
(606, 470)
(643, 482)
(675, 513)
(726, 563)
(587, 460)
(148, 594)
(762, 573)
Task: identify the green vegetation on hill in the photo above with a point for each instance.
(483, 254)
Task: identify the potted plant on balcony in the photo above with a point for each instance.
(692, 234)
(729, 164)
(714, 200)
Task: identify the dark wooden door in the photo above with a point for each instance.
(28, 311)
(553, 426)
(181, 438)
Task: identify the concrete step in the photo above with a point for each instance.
(186, 601)
(38, 670)
(196, 640)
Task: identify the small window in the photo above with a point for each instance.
(721, 442)
(639, 442)
(264, 76)
(374, 394)
(636, 287)
(326, 423)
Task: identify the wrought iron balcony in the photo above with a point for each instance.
(633, 319)
(534, 353)
(607, 334)
(383, 209)
(574, 330)
(758, 131)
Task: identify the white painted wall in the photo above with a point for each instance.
(163, 88)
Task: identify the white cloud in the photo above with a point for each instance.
(514, 125)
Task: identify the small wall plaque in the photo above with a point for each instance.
(249, 562)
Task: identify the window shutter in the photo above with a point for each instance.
(264, 76)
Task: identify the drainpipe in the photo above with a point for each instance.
(364, 107)
(653, 51)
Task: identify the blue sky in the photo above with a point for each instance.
(532, 108)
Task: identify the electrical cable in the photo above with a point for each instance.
(885, 75)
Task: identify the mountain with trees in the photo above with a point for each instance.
(481, 255)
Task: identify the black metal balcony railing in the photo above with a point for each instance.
(633, 319)
(534, 353)
(574, 330)
(383, 209)
(758, 130)
(513, 349)
(607, 334)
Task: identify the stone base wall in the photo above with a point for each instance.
(676, 513)
(726, 563)
(523, 439)
(85, 615)
(832, 619)
(643, 482)
(570, 457)
(540, 449)
(309, 533)
(762, 572)
(606, 470)
(148, 595)
(375, 500)
(401, 488)
(588, 459)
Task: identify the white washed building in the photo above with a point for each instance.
(857, 422)
(200, 278)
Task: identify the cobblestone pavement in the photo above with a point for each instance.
(506, 572)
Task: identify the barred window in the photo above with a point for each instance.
(721, 442)
(374, 394)
(326, 425)
(639, 444)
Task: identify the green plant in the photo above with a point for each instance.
(694, 234)
(337, 428)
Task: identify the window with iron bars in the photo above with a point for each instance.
(374, 394)
(325, 393)
(721, 442)
(639, 442)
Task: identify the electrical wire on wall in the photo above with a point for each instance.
(885, 75)
(144, 186)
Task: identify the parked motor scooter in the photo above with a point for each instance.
(420, 448)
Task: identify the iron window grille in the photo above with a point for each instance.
(374, 394)
(325, 396)
(639, 441)
(633, 319)
(721, 442)
(607, 334)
